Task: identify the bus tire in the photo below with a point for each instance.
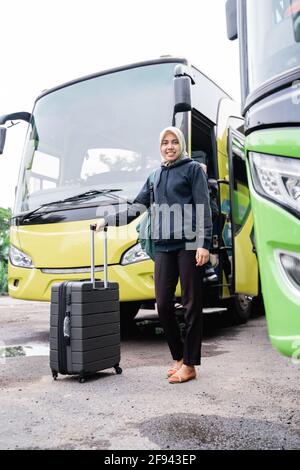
(128, 311)
(240, 308)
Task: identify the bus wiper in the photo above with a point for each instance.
(78, 197)
(96, 192)
(92, 193)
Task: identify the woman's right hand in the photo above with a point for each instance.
(100, 224)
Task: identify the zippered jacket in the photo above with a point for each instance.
(181, 211)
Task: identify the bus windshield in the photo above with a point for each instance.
(273, 39)
(96, 134)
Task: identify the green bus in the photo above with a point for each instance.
(269, 40)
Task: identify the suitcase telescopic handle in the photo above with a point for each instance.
(93, 229)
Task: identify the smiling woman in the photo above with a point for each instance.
(180, 185)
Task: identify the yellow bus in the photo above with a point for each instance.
(90, 145)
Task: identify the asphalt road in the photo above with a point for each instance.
(246, 396)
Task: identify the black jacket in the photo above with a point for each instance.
(181, 187)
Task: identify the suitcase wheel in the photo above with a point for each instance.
(118, 370)
(81, 380)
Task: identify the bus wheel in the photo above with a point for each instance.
(128, 311)
(240, 308)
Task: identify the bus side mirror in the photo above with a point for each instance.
(182, 92)
(296, 22)
(231, 19)
(183, 81)
(2, 139)
(23, 116)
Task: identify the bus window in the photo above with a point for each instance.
(42, 174)
(202, 138)
(277, 24)
(97, 163)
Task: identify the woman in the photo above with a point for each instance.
(181, 248)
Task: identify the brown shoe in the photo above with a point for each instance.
(182, 376)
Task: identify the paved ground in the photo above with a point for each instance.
(246, 395)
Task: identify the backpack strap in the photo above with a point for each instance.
(152, 178)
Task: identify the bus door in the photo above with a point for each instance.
(244, 261)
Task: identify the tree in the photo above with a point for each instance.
(5, 215)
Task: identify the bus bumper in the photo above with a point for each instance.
(135, 280)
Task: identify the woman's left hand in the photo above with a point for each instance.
(202, 256)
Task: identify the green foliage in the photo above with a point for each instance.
(5, 215)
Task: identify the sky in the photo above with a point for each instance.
(45, 43)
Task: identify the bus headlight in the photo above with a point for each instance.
(277, 178)
(134, 255)
(18, 258)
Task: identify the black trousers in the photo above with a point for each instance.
(168, 267)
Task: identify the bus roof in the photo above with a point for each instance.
(160, 60)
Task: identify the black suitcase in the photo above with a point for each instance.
(85, 324)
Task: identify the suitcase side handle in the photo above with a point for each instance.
(92, 243)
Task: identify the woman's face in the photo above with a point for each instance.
(170, 147)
